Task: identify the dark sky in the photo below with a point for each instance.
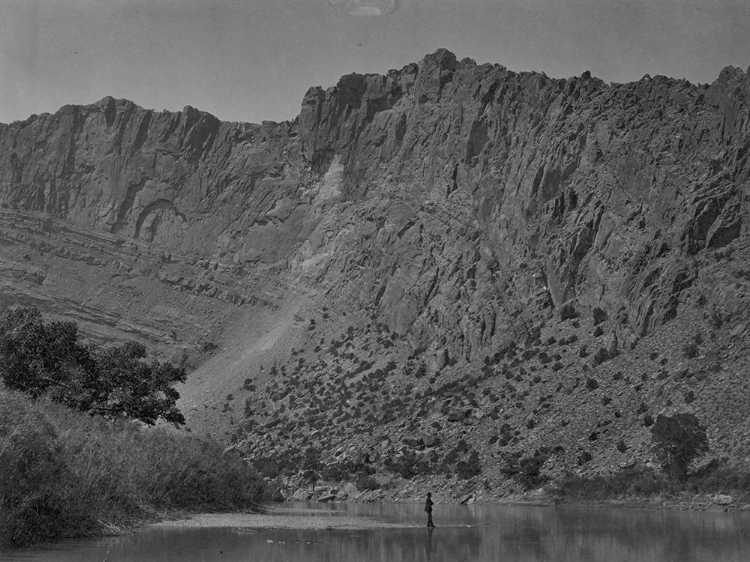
(250, 60)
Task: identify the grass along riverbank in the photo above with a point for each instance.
(66, 474)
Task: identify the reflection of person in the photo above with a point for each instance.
(429, 544)
(428, 509)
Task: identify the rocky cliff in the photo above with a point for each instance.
(442, 221)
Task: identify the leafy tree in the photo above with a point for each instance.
(679, 440)
(129, 386)
(38, 358)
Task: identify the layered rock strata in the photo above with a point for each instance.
(459, 205)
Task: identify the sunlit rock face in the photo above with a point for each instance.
(364, 8)
(458, 205)
(446, 196)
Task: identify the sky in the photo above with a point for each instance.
(253, 60)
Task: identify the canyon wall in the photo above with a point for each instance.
(460, 206)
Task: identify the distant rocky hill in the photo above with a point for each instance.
(448, 251)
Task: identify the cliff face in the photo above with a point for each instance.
(459, 205)
(529, 185)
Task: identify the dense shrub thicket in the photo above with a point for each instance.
(67, 474)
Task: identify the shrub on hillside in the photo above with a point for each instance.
(365, 482)
(568, 311)
(601, 356)
(690, 350)
(469, 467)
(526, 470)
(592, 384)
(599, 316)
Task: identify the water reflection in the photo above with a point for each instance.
(475, 533)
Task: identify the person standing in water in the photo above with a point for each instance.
(428, 509)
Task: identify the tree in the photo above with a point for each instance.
(38, 358)
(679, 440)
(129, 386)
(35, 356)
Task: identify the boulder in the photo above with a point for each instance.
(722, 499)
(302, 495)
(458, 414)
(465, 499)
(277, 495)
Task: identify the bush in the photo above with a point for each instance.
(601, 356)
(40, 500)
(527, 470)
(584, 457)
(365, 482)
(470, 467)
(73, 475)
(690, 351)
(568, 311)
(599, 316)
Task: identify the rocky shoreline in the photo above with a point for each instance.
(444, 493)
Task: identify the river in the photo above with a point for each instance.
(396, 533)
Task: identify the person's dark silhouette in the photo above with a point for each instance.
(428, 509)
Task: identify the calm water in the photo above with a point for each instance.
(473, 533)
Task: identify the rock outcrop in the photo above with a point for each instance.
(458, 205)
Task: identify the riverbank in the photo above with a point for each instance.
(639, 491)
(68, 475)
(283, 517)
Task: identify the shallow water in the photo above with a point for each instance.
(472, 533)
